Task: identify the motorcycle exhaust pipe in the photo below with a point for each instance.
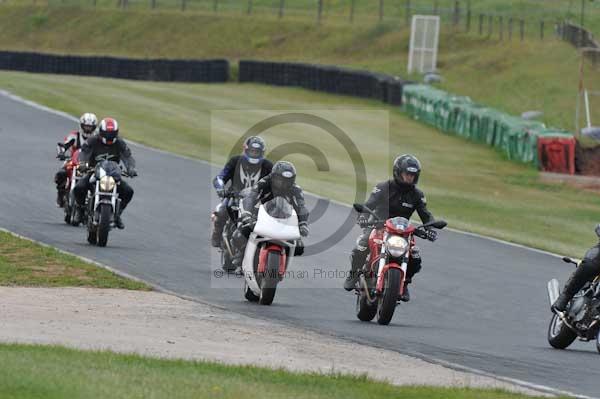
(553, 291)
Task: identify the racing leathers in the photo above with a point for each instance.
(94, 151)
(390, 199)
(263, 192)
(72, 143)
(241, 175)
(586, 271)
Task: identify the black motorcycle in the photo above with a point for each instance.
(103, 203)
(581, 318)
(231, 202)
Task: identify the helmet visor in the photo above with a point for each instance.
(87, 129)
(282, 184)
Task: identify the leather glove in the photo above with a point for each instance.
(363, 220)
(246, 220)
(432, 235)
(220, 192)
(61, 156)
(303, 229)
(132, 172)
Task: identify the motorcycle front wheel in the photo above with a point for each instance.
(269, 280)
(106, 212)
(386, 304)
(559, 335)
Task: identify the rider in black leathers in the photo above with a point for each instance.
(242, 171)
(587, 271)
(280, 183)
(106, 146)
(392, 198)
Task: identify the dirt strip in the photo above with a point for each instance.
(166, 326)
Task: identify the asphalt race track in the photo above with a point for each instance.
(477, 303)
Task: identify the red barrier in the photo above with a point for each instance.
(557, 154)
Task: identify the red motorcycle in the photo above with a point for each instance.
(381, 282)
(73, 176)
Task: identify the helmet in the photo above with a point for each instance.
(109, 130)
(254, 149)
(283, 178)
(87, 125)
(406, 165)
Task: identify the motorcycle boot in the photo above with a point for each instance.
(357, 260)
(584, 272)
(405, 297)
(119, 221)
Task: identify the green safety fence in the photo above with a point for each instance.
(458, 115)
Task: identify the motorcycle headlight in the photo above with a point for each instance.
(396, 246)
(107, 183)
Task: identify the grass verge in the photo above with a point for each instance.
(510, 75)
(25, 263)
(54, 372)
(472, 186)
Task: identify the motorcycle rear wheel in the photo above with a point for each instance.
(386, 305)
(559, 335)
(106, 212)
(364, 310)
(71, 204)
(268, 282)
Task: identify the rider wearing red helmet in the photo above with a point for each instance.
(107, 146)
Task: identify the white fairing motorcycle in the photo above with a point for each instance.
(270, 246)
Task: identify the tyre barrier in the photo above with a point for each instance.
(330, 79)
(122, 68)
(520, 140)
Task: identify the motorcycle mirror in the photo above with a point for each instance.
(569, 260)
(438, 224)
(358, 208)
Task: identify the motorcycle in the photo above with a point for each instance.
(581, 318)
(231, 202)
(74, 174)
(103, 202)
(273, 240)
(381, 281)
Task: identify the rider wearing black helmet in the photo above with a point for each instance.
(392, 198)
(243, 171)
(280, 183)
(106, 145)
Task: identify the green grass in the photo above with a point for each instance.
(512, 76)
(54, 372)
(472, 186)
(24, 263)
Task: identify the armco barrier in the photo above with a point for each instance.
(330, 79)
(113, 67)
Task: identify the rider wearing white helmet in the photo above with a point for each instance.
(88, 123)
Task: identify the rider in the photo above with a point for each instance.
(587, 271)
(392, 198)
(106, 146)
(74, 140)
(243, 171)
(280, 183)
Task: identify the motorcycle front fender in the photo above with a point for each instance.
(383, 272)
